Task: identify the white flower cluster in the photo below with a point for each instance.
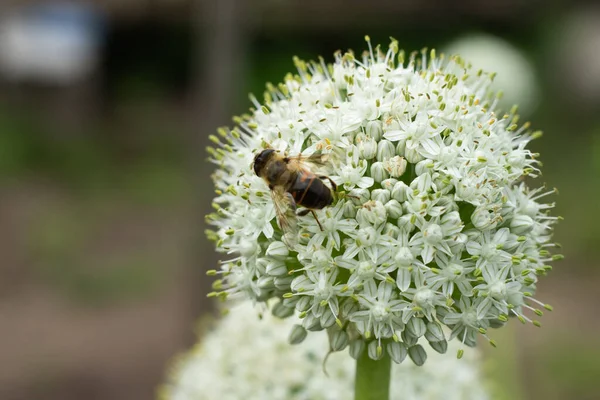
(246, 358)
(436, 227)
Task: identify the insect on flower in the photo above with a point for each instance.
(442, 230)
(292, 183)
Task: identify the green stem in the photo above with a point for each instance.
(372, 380)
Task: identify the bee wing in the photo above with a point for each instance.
(285, 208)
(314, 161)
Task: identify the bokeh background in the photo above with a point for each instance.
(105, 110)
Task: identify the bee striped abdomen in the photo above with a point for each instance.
(310, 192)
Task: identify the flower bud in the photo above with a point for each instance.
(378, 172)
(459, 243)
(515, 298)
(448, 155)
(483, 218)
(360, 196)
(498, 290)
(409, 338)
(321, 259)
(388, 184)
(424, 167)
(416, 327)
(339, 340)
(374, 130)
(371, 213)
(424, 296)
(395, 166)
(439, 346)
(530, 208)
(412, 156)
(283, 282)
(375, 350)
(405, 222)
(280, 310)
(349, 209)
(276, 268)
(385, 150)
(451, 220)
(356, 348)
(390, 229)
(265, 282)
(417, 354)
(303, 304)
(367, 147)
(401, 148)
(434, 332)
(466, 189)
(443, 184)
(349, 307)
(521, 224)
(381, 195)
(297, 335)
(404, 257)
(516, 159)
(393, 208)
(400, 192)
(359, 138)
(397, 351)
(433, 234)
(248, 247)
(261, 265)
(278, 250)
(291, 301)
(327, 320)
(312, 323)
(365, 270)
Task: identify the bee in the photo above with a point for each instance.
(293, 184)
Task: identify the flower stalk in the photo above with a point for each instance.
(372, 380)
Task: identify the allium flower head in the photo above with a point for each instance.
(246, 358)
(431, 224)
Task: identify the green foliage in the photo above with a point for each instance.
(65, 255)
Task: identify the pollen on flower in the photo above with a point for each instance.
(431, 223)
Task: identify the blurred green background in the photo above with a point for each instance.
(103, 184)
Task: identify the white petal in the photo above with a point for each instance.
(403, 279)
(394, 135)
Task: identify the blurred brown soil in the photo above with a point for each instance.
(54, 348)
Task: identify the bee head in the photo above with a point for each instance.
(260, 160)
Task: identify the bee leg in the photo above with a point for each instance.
(333, 184)
(308, 210)
(304, 212)
(316, 219)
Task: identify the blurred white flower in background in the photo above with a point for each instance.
(53, 43)
(515, 73)
(247, 358)
(578, 57)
